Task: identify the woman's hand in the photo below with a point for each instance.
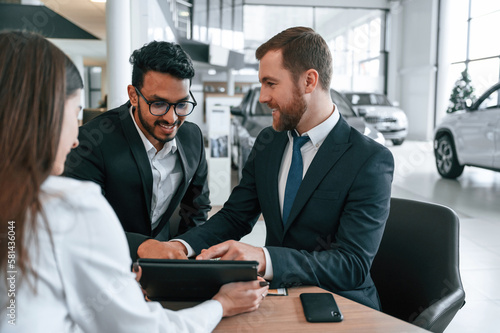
(240, 297)
(138, 273)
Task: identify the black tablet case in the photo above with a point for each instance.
(191, 280)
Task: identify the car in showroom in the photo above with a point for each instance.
(377, 110)
(470, 137)
(251, 116)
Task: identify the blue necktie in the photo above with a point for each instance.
(294, 175)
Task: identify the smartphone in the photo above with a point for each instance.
(320, 308)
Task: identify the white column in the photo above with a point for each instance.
(416, 64)
(443, 88)
(118, 45)
(230, 82)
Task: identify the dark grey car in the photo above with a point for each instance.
(251, 116)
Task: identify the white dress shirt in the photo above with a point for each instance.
(84, 279)
(167, 174)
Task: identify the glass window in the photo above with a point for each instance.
(214, 28)
(261, 23)
(482, 7)
(458, 30)
(369, 67)
(238, 37)
(484, 74)
(227, 26)
(375, 37)
(483, 23)
(355, 38)
(481, 45)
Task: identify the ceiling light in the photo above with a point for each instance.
(98, 1)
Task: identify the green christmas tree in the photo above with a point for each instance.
(462, 94)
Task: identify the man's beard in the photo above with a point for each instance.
(150, 129)
(291, 113)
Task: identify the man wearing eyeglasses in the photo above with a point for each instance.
(149, 161)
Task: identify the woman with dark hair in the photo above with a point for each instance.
(63, 254)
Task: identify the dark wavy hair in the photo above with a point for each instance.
(161, 57)
(302, 49)
(35, 80)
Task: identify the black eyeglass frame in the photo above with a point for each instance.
(169, 105)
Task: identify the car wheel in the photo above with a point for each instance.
(398, 142)
(446, 158)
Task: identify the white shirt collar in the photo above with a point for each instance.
(319, 133)
(170, 146)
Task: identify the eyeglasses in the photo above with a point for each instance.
(159, 108)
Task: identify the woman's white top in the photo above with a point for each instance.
(84, 278)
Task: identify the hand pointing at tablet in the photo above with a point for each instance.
(233, 250)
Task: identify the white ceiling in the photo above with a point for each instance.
(91, 17)
(88, 15)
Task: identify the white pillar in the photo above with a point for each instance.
(443, 88)
(118, 45)
(416, 64)
(230, 82)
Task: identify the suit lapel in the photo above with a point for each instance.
(334, 146)
(273, 169)
(178, 193)
(139, 152)
(184, 165)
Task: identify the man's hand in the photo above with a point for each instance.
(162, 250)
(233, 250)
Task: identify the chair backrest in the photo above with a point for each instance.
(89, 114)
(416, 270)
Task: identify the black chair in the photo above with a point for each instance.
(89, 114)
(416, 269)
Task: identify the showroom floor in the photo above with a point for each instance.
(475, 197)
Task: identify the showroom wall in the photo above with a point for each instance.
(412, 73)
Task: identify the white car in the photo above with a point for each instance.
(387, 118)
(470, 137)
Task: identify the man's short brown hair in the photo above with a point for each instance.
(302, 49)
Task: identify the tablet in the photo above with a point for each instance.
(191, 280)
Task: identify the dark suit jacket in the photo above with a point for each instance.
(337, 220)
(112, 154)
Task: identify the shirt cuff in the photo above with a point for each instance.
(219, 311)
(268, 274)
(190, 250)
